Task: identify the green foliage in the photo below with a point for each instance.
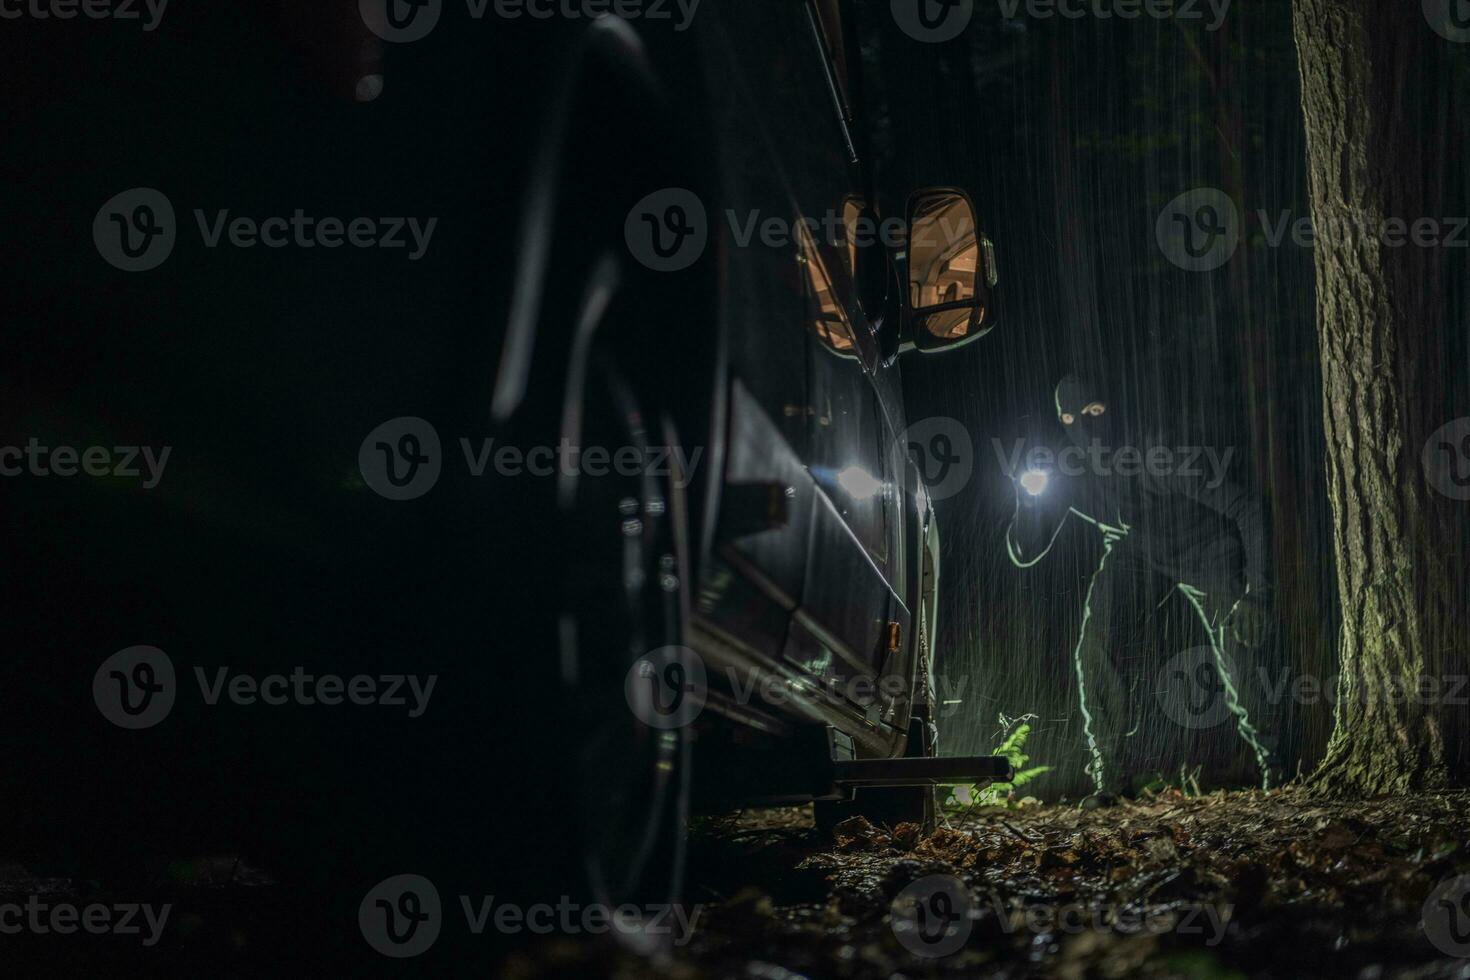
(1014, 732)
(1187, 782)
(1203, 964)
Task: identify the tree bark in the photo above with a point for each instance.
(1375, 151)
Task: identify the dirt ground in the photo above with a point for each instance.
(1279, 884)
(1249, 884)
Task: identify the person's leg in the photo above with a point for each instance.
(1244, 696)
(1109, 660)
(1097, 686)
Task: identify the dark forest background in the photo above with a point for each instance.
(1072, 136)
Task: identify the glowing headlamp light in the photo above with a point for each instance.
(1034, 482)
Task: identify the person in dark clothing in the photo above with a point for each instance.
(1168, 522)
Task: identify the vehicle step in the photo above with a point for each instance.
(966, 769)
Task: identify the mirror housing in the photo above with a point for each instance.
(950, 271)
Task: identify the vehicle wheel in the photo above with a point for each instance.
(598, 354)
(626, 596)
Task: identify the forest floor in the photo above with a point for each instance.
(1246, 884)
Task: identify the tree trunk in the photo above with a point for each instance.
(1375, 123)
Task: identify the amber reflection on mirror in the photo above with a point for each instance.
(950, 324)
(943, 252)
(825, 314)
(852, 211)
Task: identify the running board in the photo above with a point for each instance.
(966, 769)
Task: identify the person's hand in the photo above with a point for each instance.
(1250, 618)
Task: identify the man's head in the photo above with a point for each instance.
(1082, 408)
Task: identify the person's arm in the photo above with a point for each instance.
(1250, 616)
(1037, 521)
(1243, 510)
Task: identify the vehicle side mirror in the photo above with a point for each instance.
(951, 271)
